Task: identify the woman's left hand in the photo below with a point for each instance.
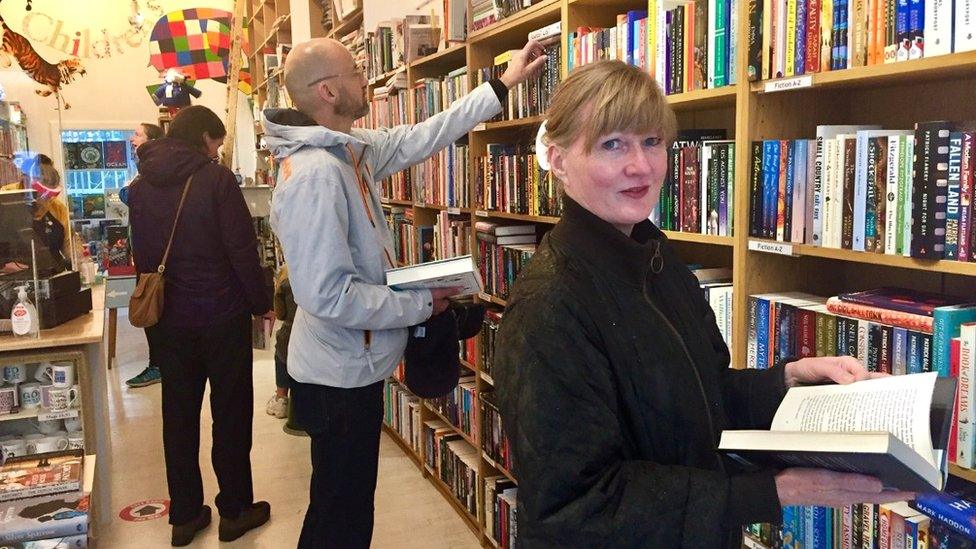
(836, 369)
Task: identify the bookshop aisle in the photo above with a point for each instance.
(409, 510)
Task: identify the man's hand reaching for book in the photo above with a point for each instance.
(524, 64)
(836, 369)
(802, 486)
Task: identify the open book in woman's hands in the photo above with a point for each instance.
(894, 428)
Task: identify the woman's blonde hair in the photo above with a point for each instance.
(606, 97)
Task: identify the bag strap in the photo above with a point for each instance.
(186, 188)
(363, 194)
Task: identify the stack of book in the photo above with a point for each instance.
(460, 406)
(355, 42)
(698, 191)
(686, 45)
(489, 329)
(399, 41)
(401, 411)
(856, 526)
(502, 252)
(510, 180)
(454, 461)
(44, 499)
(529, 98)
(500, 525)
(795, 37)
(494, 441)
(452, 235)
(898, 192)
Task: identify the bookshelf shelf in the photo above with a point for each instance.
(380, 80)
(492, 299)
(939, 68)
(443, 61)
(467, 365)
(703, 99)
(498, 467)
(487, 378)
(895, 261)
(441, 207)
(517, 217)
(962, 472)
(520, 23)
(396, 202)
(700, 238)
(347, 25)
(519, 123)
(467, 438)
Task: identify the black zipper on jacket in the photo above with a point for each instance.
(657, 264)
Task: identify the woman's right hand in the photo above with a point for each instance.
(803, 486)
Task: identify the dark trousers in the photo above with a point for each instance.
(187, 359)
(344, 425)
(282, 379)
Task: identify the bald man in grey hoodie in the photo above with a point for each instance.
(351, 329)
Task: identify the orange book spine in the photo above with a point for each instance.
(918, 323)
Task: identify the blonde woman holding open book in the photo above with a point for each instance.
(612, 376)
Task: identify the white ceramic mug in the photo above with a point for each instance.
(76, 440)
(48, 426)
(15, 373)
(51, 443)
(63, 374)
(62, 399)
(9, 399)
(14, 447)
(43, 372)
(31, 442)
(72, 424)
(30, 395)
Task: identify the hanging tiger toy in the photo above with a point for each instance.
(16, 47)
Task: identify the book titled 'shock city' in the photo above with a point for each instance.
(894, 428)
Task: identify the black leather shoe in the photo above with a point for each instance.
(250, 518)
(183, 534)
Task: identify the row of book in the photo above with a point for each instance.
(898, 192)
(402, 412)
(698, 194)
(388, 107)
(500, 517)
(454, 461)
(502, 252)
(443, 179)
(487, 12)
(489, 330)
(45, 498)
(460, 407)
(411, 243)
(400, 41)
(686, 46)
(452, 235)
(716, 285)
(494, 441)
(433, 95)
(510, 180)
(795, 37)
(529, 98)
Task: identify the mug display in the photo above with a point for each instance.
(48, 427)
(62, 399)
(46, 396)
(43, 372)
(9, 399)
(76, 440)
(15, 373)
(73, 424)
(51, 443)
(14, 447)
(63, 374)
(31, 442)
(30, 395)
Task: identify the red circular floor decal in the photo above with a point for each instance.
(150, 509)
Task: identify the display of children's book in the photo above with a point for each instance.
(91, 156)
(72, 156)
(41, 474)
(114, 152)
(93, 206)
(119, 252)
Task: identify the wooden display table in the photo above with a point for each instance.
(81, 338)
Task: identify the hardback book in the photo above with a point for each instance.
(115, 154)
(503, 230)
(41, 474)
(884, 315)
(894, 428)
(902, 299)
(459, 272)
(44, 517)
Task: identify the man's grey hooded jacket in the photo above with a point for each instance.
(351, 329)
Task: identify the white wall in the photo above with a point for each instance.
(113, 92)
(375, 11)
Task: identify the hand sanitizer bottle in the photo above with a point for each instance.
(23, 316)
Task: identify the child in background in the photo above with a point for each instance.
(285, 309)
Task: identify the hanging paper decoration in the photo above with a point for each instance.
(197, 43)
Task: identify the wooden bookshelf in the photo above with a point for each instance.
(449, 59)
(700, 238)
(962, 472)
(520, 23)
(517, 217)
(467, 438)
(347, 25)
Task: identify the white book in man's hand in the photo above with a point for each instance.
(456, 272)
(894, 428)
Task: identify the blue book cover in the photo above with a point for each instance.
(899, 364)
(762, 333)
(632, 38)
(945, 326)
(789, 531)
(808, 526)
(952, 199)
(800, 56)
(770, 186)
(820, 538)
(842, 32)
(784, 331)
(790, 182)
(954, 512)
(916, 21)
(901, 23)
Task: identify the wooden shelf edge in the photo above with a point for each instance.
(492, 299)
(439, 56)
(962, 472)
(538, 11)
(395, 202)
(498, 467)
(510, 124)
(885, 260)
(698, 98)
(700, 238)
(517, 217)
(467, 438)
(468, 365)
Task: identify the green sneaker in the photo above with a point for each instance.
(149, 376)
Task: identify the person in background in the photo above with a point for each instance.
(285, 308)
(350, 330)
(214, 284)
(612, 378)
(51, 216)
(143, 133)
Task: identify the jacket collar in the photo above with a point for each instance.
(288, 130)
(591, 239)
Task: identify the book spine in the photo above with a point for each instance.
(885, 352)
(858, 49)
(831, 329)
(908, 195)
(923, 193)
(762, 333)
(957, 514)
(818, 192)
(755, 38)
(938, 27)
(914, 364)
(751, 348)
(953, 181)
(813, 37)
(872, 348)
(863, 328)
(770, 185)
(800, 50)
(781, 195)
(729, 186)
(806, 341)
(966, 195)
(863, 172)
(790, 69)
(961, 364)
(820, 335)
(43, 490)
(946, 324)
(891, 197)
(789, 190)
(879, 314)
(722, 187)
(899, 363)
(721, 43)
(848, 193)
(965, 27)
(826, 34)
(876, 212)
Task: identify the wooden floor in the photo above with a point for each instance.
(410, 513)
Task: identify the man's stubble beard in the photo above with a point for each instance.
(355, 111)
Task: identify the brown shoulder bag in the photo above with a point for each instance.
(146, 301)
